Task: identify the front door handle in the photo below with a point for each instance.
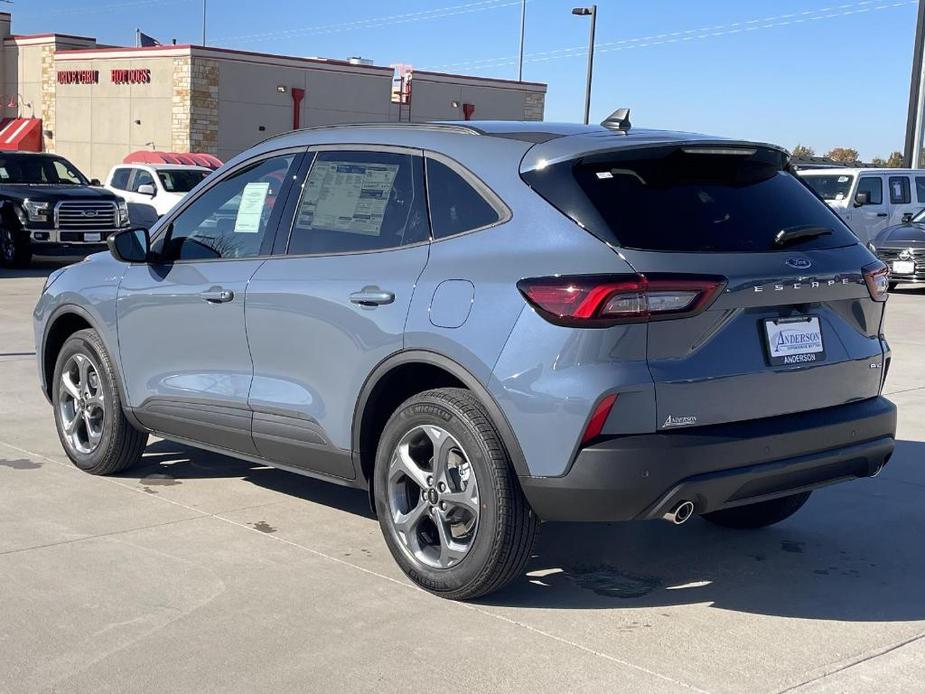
(882, 214)
(372, 296)
(217, 295)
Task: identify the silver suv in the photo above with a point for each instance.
(486, 325)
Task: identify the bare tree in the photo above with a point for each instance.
(803, 152)
(895, 160)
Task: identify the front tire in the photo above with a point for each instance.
(448, 501)
(92, 427)
(15, 249)
(759, 515)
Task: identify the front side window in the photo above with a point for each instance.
(142, 178)
(355, 201)
(120, 178)
(455, 206)
(900, 191)
(873, 186)
(39, 169)
(230, 219)
(180, 180)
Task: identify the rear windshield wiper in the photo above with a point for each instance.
(800, 233)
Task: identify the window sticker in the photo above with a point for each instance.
(347, 196)
(250, 211)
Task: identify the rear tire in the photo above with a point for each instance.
(89, 419)
(759, 515)
(15, 249)
(459, 527)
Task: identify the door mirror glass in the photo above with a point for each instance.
(862, 198)
(130, 245)
(147, 189)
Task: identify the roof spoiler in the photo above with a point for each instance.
(618, 120)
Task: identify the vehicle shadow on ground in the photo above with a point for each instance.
(853, 553)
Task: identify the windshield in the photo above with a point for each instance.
(919, 218)
(690, 199)
(39, 169)
(830, 187)
(180, 180)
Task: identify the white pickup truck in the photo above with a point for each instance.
(869, 200)
(159, 185)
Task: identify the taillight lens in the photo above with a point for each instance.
(877, 277)
(594, 301)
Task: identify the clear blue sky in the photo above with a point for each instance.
(821, 72)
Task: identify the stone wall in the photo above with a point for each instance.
(46, 110)
(534, 105)
(204, 106)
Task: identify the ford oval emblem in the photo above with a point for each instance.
(799, 263)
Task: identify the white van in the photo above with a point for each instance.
(869, 200)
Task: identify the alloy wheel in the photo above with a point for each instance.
(433, 497)
(81, 404)
(7, 245)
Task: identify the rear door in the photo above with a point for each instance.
(333, 304)
(794, 328)
(901, 205)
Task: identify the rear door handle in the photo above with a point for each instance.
(372, 296)
(217, 295)
(882, 214)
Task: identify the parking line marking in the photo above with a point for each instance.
(402, 584)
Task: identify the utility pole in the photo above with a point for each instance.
(523, 20)
(912, 154)
(592, 12)
(204, 22)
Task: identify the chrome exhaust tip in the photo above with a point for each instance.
(681, 513)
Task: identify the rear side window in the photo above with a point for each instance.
(873, 186)
(455, 206)
(920, 188)
(689, 199)
(900, 191)
(355, 201)
(120, 178)
(829, 186)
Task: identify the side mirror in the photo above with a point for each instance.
(907, 218)
(861, 199)
(130, 245)
(95, 182)
(147, 189)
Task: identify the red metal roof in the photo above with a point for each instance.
(23, 134)
(145, 156)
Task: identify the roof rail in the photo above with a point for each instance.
(618, 120)
(427, 125)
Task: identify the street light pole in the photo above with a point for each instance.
(523, 19)
(914, 124)
(204, 22)
(591, 12)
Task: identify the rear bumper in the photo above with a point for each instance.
(645, 476)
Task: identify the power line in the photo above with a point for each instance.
(375, 22)
(700, 33)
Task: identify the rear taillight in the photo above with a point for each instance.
(595, 301)
(877, 277)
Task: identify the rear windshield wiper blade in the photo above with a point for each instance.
(800, 233)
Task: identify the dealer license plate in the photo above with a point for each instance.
(94, 236)
(794, 341)
(904, 267)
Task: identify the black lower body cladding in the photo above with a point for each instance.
(645, 476)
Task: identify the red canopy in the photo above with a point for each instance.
(146, 156)
(23, 134)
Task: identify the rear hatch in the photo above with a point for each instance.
(795, 326)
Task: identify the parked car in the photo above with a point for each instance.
(902, 248)
(870, 200)
(486, 325)
(48, 207)
(160, 185)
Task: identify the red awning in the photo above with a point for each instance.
(145, 156)
(23, 134)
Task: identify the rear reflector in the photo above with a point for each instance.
(877, 277)
(594, 301)
(596, 423)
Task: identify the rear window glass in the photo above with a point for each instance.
(690, 199)
(830, 187)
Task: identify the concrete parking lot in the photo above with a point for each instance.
(197, 572)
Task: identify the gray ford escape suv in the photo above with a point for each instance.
(487, 325)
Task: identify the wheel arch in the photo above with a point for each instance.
(370, 416)
(63, 322)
